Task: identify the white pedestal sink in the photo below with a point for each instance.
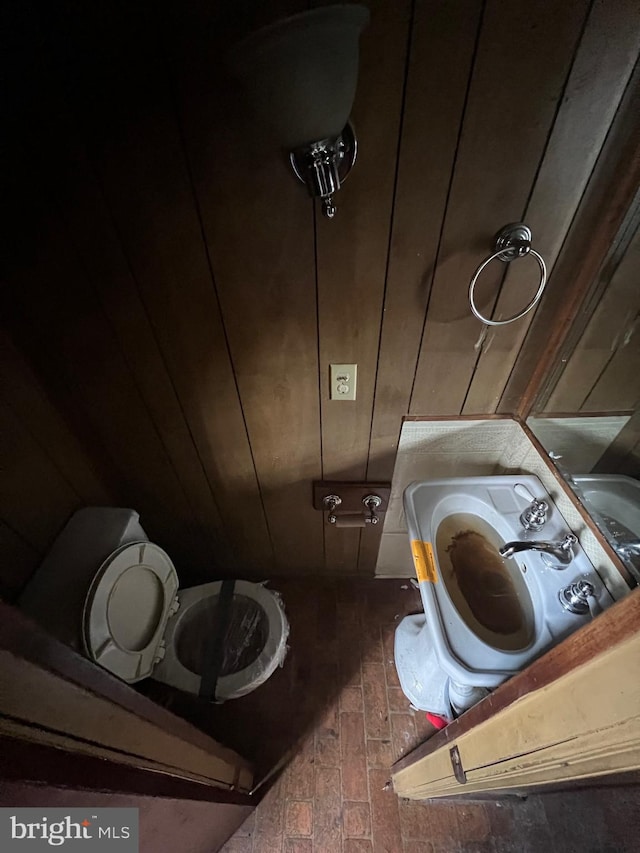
(485, 617)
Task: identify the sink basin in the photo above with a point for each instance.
(485, 616)
(489, 592)
(614, 504)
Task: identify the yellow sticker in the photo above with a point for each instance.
(424, 561)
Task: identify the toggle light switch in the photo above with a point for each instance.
(343, 381)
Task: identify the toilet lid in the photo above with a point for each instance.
(127, 608)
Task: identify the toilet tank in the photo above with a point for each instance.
(55, 594)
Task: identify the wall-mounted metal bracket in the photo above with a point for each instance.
(350, 504)
(323, 166)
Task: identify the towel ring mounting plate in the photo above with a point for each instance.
(511, 242)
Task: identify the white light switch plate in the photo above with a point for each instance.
(343, 381)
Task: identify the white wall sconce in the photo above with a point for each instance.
(300, 76)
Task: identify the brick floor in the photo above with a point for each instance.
(336, 710)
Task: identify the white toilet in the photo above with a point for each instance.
(108, 592)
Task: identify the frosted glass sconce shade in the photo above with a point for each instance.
(300, 77)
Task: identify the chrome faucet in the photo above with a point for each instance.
(627, 548)
(625, 543)
(561, 552)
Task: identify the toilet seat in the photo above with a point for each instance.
(126, 610)
(132, 619)
(172, 671)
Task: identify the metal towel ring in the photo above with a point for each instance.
(512, 242)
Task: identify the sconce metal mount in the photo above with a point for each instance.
(299, 75)
(323, 166)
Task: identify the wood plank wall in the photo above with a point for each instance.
(602, 372)
(173, 299)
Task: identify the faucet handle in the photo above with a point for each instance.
(575, 597)
(580, 598)
(535, 515)
(523, 491)
(566, 547)
(568, 542)
(562, 554)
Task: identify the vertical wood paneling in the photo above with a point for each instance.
(65, 334)
(63, 330)
(52, 308)
(149, 194)
(37, 494)
(440, 62)
(91, 230)
(352, 256)
(623, 454)
(44, 473)
(39, 417)
(176, 295)
(512, 102)
(258, 224)
(618, 388)
(589, 245)
(28, 473)
(590, 374)
(595, 87)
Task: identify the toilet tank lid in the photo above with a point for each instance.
(127, 608)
